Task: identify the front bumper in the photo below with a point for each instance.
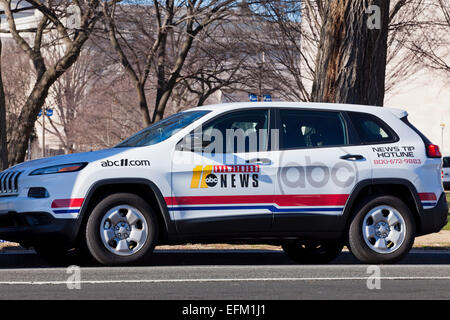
(434, 219)
(36, 227)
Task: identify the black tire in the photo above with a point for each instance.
(358, 245)
(93, 237)
(312, 252)
(56, 254)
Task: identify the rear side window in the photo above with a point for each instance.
(311, 129)
(371, 129)
(446, 162)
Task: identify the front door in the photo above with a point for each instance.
(224, 186)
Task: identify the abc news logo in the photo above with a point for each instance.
(225, 176)
(211, 180)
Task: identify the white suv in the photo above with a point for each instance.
(309, 177)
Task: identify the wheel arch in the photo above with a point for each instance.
(144, 188)
(401, 188)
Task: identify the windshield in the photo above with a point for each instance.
(162, 130)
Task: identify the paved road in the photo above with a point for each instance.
(228, 275)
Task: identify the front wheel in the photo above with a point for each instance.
(312, 252)
(382, 231)
(122, 229)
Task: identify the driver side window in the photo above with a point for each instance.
(234, 132)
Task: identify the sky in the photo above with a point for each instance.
(427, 100)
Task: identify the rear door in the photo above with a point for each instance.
(398, 151)
(318, 166)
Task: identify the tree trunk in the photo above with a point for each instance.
(161, 106)
(161, 79)
(28, 115)
(165, 88)
(18, 142)
(3, 137)
(351, 63)
(25, 124)
(143, 104)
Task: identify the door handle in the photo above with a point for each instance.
(259, 161)
(352, 157)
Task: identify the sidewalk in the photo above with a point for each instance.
(439, 240)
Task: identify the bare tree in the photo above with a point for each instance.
(69, 38)
(352, 57)
(284, 36)
(196, 15)
(108, 114)
(69, 93)
(187, 18)
(16, 71)
(134, 39)
(291, 49)
(433, 44)
(217, 61)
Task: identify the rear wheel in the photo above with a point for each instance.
(122, 229)
(312, 252)
(382, 230)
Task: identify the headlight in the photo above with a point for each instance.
(71, 167)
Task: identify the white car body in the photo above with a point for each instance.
(266, 208)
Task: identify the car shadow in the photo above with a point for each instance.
(223, 257)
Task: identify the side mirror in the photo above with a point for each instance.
(191, 142)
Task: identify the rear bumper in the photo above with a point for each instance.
(434, 219)
(35, 227)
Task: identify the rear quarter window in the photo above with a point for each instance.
(371, 129)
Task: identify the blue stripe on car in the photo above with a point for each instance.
(67, 211)
(268, 207)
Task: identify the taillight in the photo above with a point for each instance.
(433, 151)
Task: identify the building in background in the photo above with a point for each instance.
(24, 20)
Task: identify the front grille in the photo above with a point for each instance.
(9, 183)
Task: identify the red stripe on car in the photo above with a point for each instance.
(67, 203)
(427, 196)
(281, 200)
